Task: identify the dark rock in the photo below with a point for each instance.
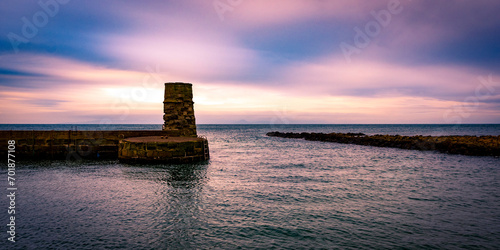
(454, 144)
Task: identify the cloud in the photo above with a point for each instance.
(262, 58)
(53, 87)
(439, 33)
(330, 76)
(45, 102)
(256, 14)
(194, 57)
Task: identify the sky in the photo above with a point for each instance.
(251, 61)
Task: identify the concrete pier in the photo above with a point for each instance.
(176, 143)
(69, 144)
(179, 120)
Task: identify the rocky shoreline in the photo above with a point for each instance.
(453, 144)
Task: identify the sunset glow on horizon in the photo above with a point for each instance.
(297, 61)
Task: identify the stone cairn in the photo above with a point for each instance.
(178, 108)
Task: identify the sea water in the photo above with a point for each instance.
(263, 192)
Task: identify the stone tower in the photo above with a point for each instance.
(178, 109)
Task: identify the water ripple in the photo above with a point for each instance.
(260, 192)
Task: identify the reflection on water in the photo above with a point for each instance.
(87, 205)
(177, 176)
(177, 207)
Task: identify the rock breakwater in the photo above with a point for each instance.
(464, 145)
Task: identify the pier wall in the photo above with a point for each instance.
(70, 145)
(163, 150)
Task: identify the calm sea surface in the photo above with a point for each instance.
(262, 192)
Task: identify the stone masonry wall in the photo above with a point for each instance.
(163, 151)
(69, 145)
(178, 109)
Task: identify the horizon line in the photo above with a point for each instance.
(256, 124)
